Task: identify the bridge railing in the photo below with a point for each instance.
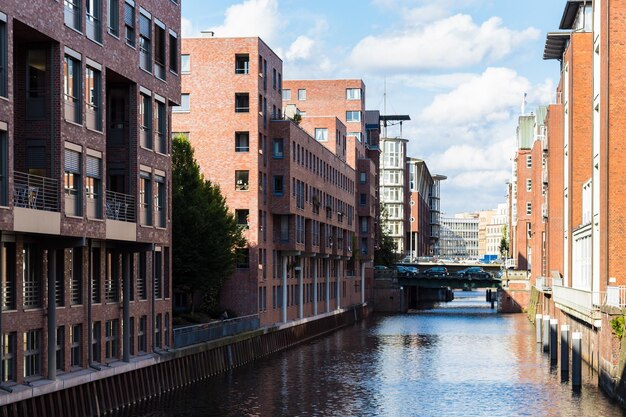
(191, 335)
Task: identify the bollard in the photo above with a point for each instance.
(554, 344)
(538, 327)
(545, 333)
(564, 348)
(576, 358)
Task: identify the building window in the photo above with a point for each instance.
(242, 142)
(145, 42)
(161, 128)
(96, 342)
(76, 280)
(185, 64)
(73, 16)
(274, 78)
(114, 18)
(159, 49)
(159, 201)
(242, 102)
(93, 100)
(95, 275)
(93, 9)
(143, 276)
(362, 177)
(353, 94)
(145, 198)
(60, 348)
(32, 277)
(353, 116)
(301, 94)
(321, 134)
(129, 23)
(4, 57)
(278, 185)
(286, 95)
(242, 64)
(9, 343)
(278, 148)
(36, 84)
(242, 180)
(112, 334)
(243, 258)
(141, 334)
(364, 224)
(111, 281)
(9, 278)
(173, 52)
(4, 168)
(529, 161)
(157, 332)
(242, 216)
(32, 353)
(73, 186)
(76, 332)
(166, 331)
(529, 208)
(184, 104)
(71, 89)
(362, 199)
(529, 185)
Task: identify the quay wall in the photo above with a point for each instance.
(171, 370)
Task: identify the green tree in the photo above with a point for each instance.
(205, 235)
(504, 244)
(385, 252)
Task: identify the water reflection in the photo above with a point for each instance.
(457, 359)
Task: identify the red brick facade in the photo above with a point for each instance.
(85, 202)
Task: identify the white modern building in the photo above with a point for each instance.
(459, 236)
(394, 190)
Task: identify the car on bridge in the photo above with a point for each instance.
(413, 270)
(402, 271)
(474, 272)
(436, 271)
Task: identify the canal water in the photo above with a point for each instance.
(456, 359)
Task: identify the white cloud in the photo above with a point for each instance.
(451, 42)
(251, 18)
(466, 157)
(494, 95)
(300, 48)
(480, 179)
(187, 28)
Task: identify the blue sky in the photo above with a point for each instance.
(459, 68)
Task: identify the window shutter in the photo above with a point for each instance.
(129, 15)
(93, 167)
(144, 26)
(72, 161)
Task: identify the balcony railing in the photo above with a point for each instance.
(616, 296)
(35, 192)
(120, 207)
(192, 335)
(581, 303)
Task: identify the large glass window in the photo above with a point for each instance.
(145, 42)
(160, 201)
(159, 49)
(72, 12)
(242, 182)
(242, 102)
(141, 334)
(4, 168)
(161, 128)
(185, 64)
(184, 104)
(242, 142)
(301, 94)
(32, 276)
(353, 93)
(93, 9)
(73, 186)
(60, 348)
(242, 64)
(173, 51)
(321, 134)
(145, 198)
(9, 342)
(129, 23)
(112, 334)
(71, 89)
(353, 116)
(279, 187)
(93, 186)
(278, 148)
(96, 342)
(76, 332)
(32, 353)
(4, 56)
(114, 18)
(93, 98)
(145, 117)
(287, 95)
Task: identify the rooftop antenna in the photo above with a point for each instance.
(208, 32)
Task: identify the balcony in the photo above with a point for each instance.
(616, 296)
(582, 304)
(36, 204)
(120, 207)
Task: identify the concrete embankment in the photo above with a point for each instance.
(96, 393)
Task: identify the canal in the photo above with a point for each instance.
(456, 359)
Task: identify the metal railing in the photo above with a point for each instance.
(191, 335)
(582, 301)
(35, 192)
(120, 207)
(616, 296)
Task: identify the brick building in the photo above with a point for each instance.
(292, 187)
(420, 185)
(86, 89)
